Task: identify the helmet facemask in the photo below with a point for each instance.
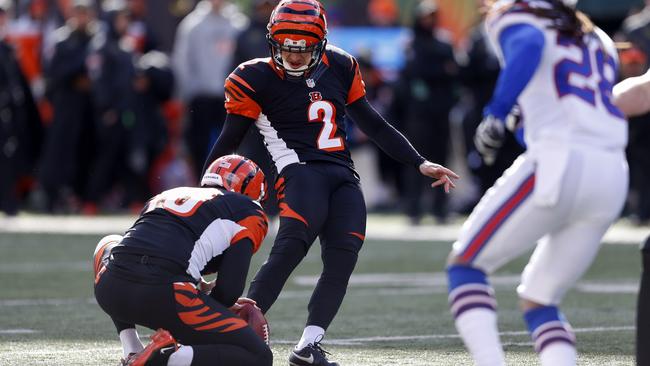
(297, 47)
(297, 26)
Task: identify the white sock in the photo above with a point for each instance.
(478, 328)
(130, 341)
(558, 354)
(311, 334)
(182, 357)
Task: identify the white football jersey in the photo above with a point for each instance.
(569, 98)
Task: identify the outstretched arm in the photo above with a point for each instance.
(522, 46)
(632, 95)
(395, 144)
(234, 130)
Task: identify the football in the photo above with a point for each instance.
(256, 320)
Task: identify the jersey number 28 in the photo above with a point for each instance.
(565, 68)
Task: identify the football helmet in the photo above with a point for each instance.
(236, 173)
(297, 26)
(103, 251)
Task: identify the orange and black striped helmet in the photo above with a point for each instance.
(236, 173)
(297, 26)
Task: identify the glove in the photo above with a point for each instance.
(489, 137)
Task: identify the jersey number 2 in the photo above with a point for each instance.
(325, 113)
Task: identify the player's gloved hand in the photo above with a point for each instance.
(242, 300)
(489, 137)
(206, 287)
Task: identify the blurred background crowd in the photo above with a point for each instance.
(104, 103)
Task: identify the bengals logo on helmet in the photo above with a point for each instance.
(297, 26)
(237, 174)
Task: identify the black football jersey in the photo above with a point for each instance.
(300, 120)
(194, 226)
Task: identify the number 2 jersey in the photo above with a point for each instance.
(192, 227)
(301, 120)
(568, 100)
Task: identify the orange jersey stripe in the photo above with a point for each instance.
(195, 317)
(286, 211)
(232, 324)
(241, 81)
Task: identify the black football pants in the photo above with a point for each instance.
(316, 199)
(217, 336)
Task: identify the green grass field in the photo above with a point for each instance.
(395, 311)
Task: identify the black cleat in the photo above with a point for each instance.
(312, 354)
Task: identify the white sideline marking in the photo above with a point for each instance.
(353, 341)
(18, 331)
(340, 342)
(407, 288)
(379, 227)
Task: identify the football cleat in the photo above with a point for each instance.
(155, 353)
(310, 355)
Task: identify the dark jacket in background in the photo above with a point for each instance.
(21, 131)
(69, 144)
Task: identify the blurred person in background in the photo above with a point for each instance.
(140, 31)
(202, 58)
(634, 62)
(32, 36)
(154, 86)
(20, 125)
(112, 74)
(70, 138)
(429, 82)
(479, 76)
(383, 13)
(251, 44)
(381, 96)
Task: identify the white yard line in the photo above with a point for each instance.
(339, 341)
(403, 287)
(18, 331)
(393, 227)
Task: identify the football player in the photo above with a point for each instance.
(153, 275)
(632, 96)
(561, 195)
(298, 99)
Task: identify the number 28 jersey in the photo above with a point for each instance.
(569, 98)
(300, 120)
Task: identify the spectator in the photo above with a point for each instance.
(140, 32)
(20, 126)
(27, 34)
(112, 75)
(479, 77)
(69, 143)
(429, 79)
(205, 41)
(383, 13)
(154, 85)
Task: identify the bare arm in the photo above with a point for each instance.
(632, 95)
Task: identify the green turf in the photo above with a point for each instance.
(46, 286)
